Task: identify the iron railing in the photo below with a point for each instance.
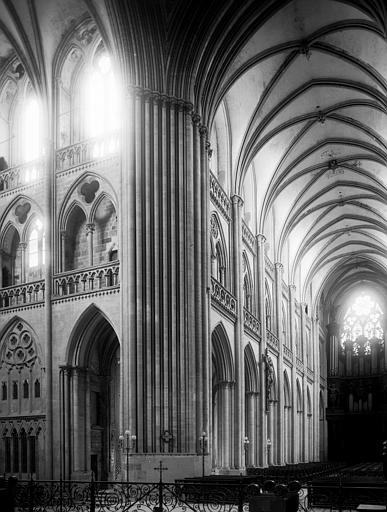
(93, 496)
(191, 496)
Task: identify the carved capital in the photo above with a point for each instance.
(63, 234)
(279, 267)
(90, 228)
(23, 245)
(237, 200)
(195, 118)
(203, 131)
(261, 239)
(292, 288)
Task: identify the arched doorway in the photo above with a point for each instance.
(90, 391)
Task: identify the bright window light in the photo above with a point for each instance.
(101, 101)
(362, 321)
(36, 245)
(30, 130)
(33, 248)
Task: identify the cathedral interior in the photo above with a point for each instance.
(193, 212)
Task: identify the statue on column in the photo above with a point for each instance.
(269, 376)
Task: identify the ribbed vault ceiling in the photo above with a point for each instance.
(305, 96)
(306, 103)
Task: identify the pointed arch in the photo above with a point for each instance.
(287, 390)
(251, 371)
(268, 304)
(92, 325)
(21, 199)
(299, 398)
(219, 258)
(72, 197)
(308, 402)
(64, 220)
(247, 283)
(221, 355)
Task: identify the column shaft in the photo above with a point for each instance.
(260, 280)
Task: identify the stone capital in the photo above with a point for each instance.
(203, 130)
(90, 228)
(23, 245)
(195, 118)
(237, 200)
(260, 238)
(279, 267)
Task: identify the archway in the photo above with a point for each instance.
(252, 406)
(288, 431)
(222, 399)
(90, 391)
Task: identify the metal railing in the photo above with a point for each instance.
(199, 496)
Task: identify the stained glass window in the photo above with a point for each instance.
(362, 323)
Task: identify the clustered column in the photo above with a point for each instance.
(164, 258)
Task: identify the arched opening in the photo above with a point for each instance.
(251, 407)
(247, 284)
(309, 427)
(300, 423)
(288, 431)
(222, 399)
(268, 307)
(93, 376)
(76, 253)
(35, 256)
(11, 258)
(218, 252)
(272, 419)
(323, 428)
(105, 237)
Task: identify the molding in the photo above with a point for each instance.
(223, 299)
(220, 198)
(85, 295)
(248, 237)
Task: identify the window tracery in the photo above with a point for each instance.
(362, 325)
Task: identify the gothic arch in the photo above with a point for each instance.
(219, 258)
(22, 410)
(288, 430)
(268, 304)
(287, 390)
(248, 286)
(222, 398)
(9, 214)
(221, 355)
(251, 371)
(73, 196)
(87, 324)
(300, 422)
(92, 373)
(299, 398)
(64, 219)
